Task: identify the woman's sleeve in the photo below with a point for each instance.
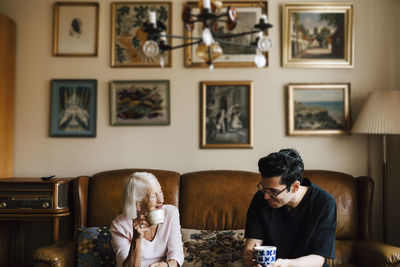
(174, 244)
(120, 240)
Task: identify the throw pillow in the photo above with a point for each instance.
(209, 248)
(94, 247)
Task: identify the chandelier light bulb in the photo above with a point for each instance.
(211, 67)
(264, 43)
(162, 61)
(264, 18)
(260, 60)
(152, 18)
(207, 37)
(150, 48)
(206, 4)
(163, 36)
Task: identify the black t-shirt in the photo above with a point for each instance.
(307, 229)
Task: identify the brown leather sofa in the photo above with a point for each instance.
(218, 200)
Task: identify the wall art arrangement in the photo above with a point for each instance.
(318, 109)
(317, 35)
(76, 29)
(73, 108)
(128, 37)
(226, 114)
(140, 102)
(248, 13)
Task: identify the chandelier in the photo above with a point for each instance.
(208, 45)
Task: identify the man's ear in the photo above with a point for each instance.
(295, 186)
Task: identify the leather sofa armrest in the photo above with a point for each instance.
(80, 193)
(375, 254)
(62, 254)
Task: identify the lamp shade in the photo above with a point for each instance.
(380, 114)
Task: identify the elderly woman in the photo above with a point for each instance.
(136, 242)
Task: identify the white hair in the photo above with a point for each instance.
(135, 190)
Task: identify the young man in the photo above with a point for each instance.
(291, 213)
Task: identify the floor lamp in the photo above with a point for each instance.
(380, 115)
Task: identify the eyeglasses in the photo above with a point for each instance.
(270, 193)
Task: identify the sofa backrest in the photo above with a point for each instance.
(216, 200)
(104, 197)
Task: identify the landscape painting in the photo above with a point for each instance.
(318, 109)
(140, 102)
(317, 36)
(226, 114)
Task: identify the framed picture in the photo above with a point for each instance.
(73, 108)
(140, 102)
(226, 114)
(128, 37)
(76, 29)
(318, 109)
(248, 14)
(318, 36)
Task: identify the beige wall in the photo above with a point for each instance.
(176, 147)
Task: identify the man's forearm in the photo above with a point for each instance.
(312, 260)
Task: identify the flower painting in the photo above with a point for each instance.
(129, 36)
(140, 102)
(319, 109)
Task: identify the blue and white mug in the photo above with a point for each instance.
(265, 255)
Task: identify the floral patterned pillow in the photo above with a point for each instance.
(207, 248)
(94, 247)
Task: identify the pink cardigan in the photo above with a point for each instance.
(167, 243)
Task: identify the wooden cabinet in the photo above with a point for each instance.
(7, 84)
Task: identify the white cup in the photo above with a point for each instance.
(265, 255)
(156, 216)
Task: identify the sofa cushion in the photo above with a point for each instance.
(94, 247)
(208, 248)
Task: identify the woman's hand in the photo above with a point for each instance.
(159, 264)
(140, 226)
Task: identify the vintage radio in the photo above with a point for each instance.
(19, 195)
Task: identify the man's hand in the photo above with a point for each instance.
(279, 263)
(248, 252)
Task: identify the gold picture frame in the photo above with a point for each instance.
(226, 114)
(76, 29)
(248, 14)
(127, 38)
(318, 35)
(318, 109)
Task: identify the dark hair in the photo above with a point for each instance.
(286, 163)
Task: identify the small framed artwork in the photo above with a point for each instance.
(319, 109)
(248, 14)
(76, 29)
(128, 37)
(226, 114)
(318, 35)
(140, 102)
(73, 108)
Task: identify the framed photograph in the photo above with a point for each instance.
(318, 35)
(226, 114)
(248, 14)
(319, 109)
(73, 108)
(140, 102)
(128, 37)
(76, 29)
